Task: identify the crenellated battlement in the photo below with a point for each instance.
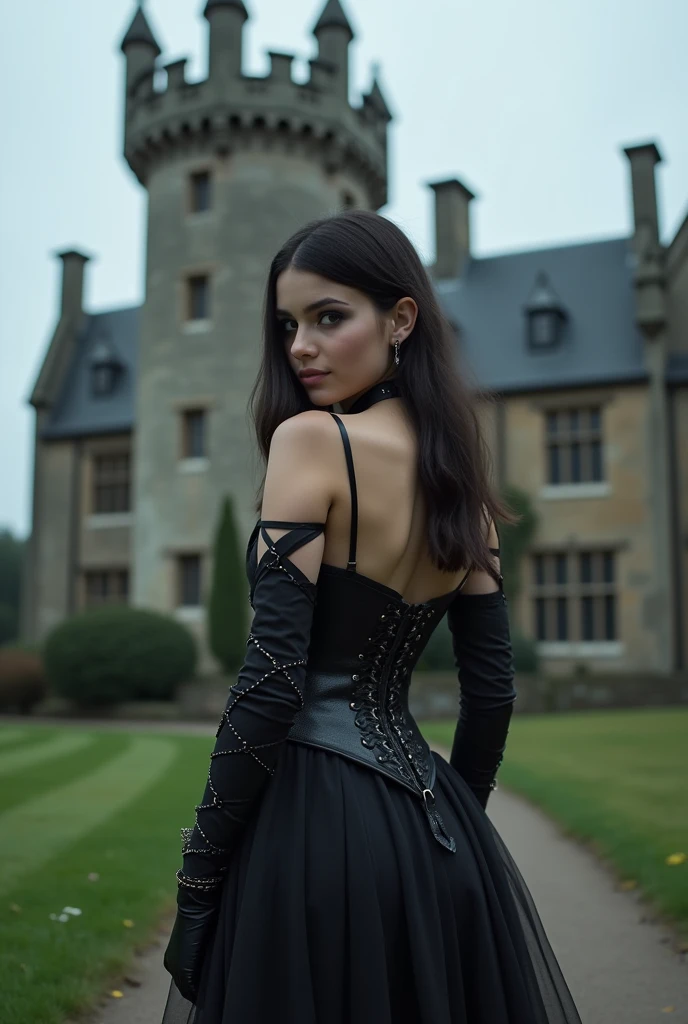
(229, 111)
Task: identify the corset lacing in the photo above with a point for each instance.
(381, 714)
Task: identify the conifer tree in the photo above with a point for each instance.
(227, 612)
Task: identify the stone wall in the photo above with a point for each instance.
(614, 514)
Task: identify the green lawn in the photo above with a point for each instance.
(617, 779)
(76, 802)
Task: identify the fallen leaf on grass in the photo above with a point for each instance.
(676, 858)
(629, 884)
(128, 923)
(15, 908)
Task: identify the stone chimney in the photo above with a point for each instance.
(72, 301)
(643, 159)
(452, 227)
(649, 252)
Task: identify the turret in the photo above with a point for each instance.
(334, 34)
(226, 20)
(376, 99)
(233, 163)
(140, 48)
(229, 112)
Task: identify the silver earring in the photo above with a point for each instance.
(396, 352)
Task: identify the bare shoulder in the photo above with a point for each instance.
(309, 431)
(299, 481)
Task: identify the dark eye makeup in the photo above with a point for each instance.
(326, 313)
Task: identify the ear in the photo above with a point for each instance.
(405, 315)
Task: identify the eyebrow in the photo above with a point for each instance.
(315, 305)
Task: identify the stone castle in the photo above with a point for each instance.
(141, 425)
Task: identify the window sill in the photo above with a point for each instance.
(580, 649)
(565, 491)
(189, 613)
(108, 520)
(194, 465)
(197, 326)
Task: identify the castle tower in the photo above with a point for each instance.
(232, 166)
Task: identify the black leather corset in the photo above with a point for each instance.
(365, 642)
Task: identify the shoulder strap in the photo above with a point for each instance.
(351, 564)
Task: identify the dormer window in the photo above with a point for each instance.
(545, 316)
(105, 370)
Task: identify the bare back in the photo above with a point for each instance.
(392, 521)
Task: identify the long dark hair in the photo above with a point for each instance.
(364, 250)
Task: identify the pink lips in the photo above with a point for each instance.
(312, 378)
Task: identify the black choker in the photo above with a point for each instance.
(376, 393)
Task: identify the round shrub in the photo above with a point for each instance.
(117, 654)
(22, 679)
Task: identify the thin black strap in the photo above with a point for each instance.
(294, 539)
(351, 564)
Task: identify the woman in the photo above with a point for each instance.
(338, 872)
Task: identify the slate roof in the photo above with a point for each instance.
(601, 343)
(593, 282)
(78, 411)
(677, 368)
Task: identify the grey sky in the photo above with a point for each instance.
(527, 101)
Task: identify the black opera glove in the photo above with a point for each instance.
(258, 716)
(479, 625)
(261, 707)
(197, 908)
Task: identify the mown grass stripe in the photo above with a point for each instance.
(39, 778)
(37, 753)
(37, 830)
(11, 734)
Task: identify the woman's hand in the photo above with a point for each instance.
(192, 931)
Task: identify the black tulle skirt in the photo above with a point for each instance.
(340, 908)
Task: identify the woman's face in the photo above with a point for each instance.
(330, 327)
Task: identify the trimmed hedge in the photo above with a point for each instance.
(119, 654)
(22, 680)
